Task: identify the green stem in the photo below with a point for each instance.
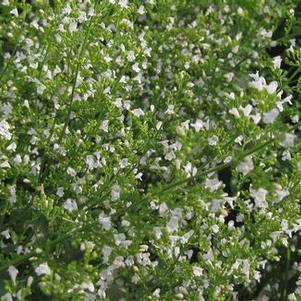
(76, 73)
(294, 74)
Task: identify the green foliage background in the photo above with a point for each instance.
(141, 156)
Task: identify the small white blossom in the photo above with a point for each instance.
(239, 139)
(13, 272)
(123, 3)
(70, 205)
(4, 130)
(229, 76)
(281, 193)
(124, 163)
(141, 10)
(131, 56)
(213, 184)
(247, 110)
(105, 126)
(215, 228)
(42, 269)
(277, 62)
(8, 297)
(173, 224)
(272, 87)
(213, 140)
(269, 117)
(258, 81)
(288, 140)
(138, 112)
(71, 172)
(72, 27)
(259, 196)
(234, 112)
(14, 12)
(115, 192)
(89, 286)
(246, 166)
(198, 125)
(105, 221)
(6, 234)
(60, 192)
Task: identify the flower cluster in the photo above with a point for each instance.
(150, 150)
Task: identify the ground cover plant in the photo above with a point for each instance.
(150, 150)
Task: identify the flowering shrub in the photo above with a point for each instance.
(150, 150)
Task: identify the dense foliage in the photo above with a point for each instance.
(150, 150)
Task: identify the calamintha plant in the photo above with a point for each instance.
(150, 150)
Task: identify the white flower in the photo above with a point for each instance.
(247, 110)
(41, 88)
(258, 81)
(213, 140)
(288, 140)
(60, 192)
(12, 146)
(6, 109)
(173, 224)
(13, 272)
(4, 130)
(72, 26)
(123, 3)
(71, 172)
(141, 10)
(170, 109)
(138, 112)
(277, 61)
(163, 209)
(272, 87)
(281, 193)
(269, 117)
(105, 126)
(105, 221)
(106, 252)
(286, 155)
(70, 205)
(158, 125)
(229, 76)
(87, 286)
(215, 228)
(42, 269)
(14, 12)
(115, 192)
(190, 170)
(216, 205)
(8, 297)
(131, 56)
(124, 163)
(246, 166)
(213, 184)
(256, 118)
(6, 234)
(67, 9)
(198, 125)
(234, 112)
(197, 271)
(259, 197)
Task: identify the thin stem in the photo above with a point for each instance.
(294, 74)
(76, 73)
